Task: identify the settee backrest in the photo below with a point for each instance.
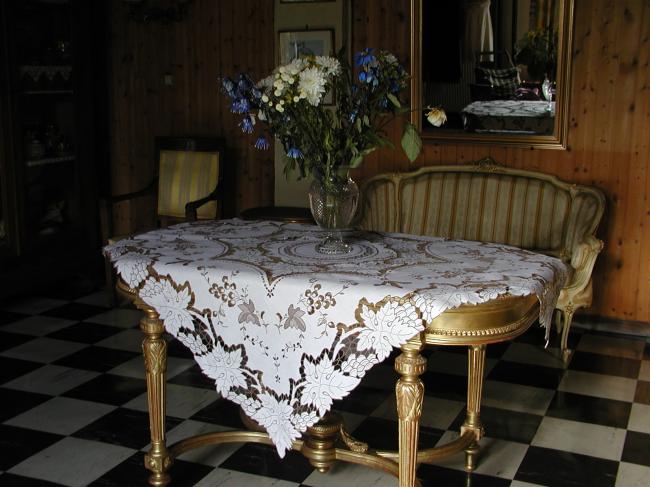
(484, 202)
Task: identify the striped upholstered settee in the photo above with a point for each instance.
(488, 202)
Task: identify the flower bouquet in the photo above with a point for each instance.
(325, 142)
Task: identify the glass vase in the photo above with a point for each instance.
(333, 206)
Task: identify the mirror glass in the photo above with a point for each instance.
(498, 68)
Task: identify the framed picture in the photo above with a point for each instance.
(298, 43)
(305, 1)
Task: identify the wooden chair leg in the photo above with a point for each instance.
(567, 319)
(476, 366)
(110, 282)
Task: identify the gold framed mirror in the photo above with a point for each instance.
(500, 69)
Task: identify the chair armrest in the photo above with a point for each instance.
(112, 199)
(106, 203)
(583, 259)
(192, 206)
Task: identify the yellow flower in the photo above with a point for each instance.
(436, 116)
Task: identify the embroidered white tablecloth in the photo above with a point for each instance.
(284, 331)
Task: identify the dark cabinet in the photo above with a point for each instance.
(52, 155)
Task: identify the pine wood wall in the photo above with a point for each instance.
(609, 135)
(608, 138)
(218, 38)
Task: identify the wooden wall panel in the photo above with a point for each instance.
(608, 137)
(218, 38)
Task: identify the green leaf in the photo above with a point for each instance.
(366, 121)
(356, 162)
(411, 142)
(357, 124)
(393, 99)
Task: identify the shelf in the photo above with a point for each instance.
(47, 92)
(48, 160)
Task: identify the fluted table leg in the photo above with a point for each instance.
(410, 394)
(154, 348)
(476, 365)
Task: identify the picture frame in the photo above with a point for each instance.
(306, 1)
(298, 43)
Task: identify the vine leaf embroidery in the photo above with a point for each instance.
(294, 319)
(247, 314)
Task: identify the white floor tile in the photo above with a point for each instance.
(519, 483)
(499, 458)
(583, 438)
(639, 418)
(533, 354)
(599, 385)
(34, 306)
(349, 474)
(73, 462)
(135, 367)
(515, 397)
(51, 379)
(231, 478)
(182, 401)
(436, 413)
(43, 350)
(123, 318)
(632, 475)
(37, 325)
(129, 340)
(61, 415)
(608, 345)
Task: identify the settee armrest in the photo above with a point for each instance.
(583, 258)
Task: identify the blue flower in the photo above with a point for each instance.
(353, 115)
(244, 83)
(228, 87)
(383, 102)
(257, 94)
(261, 143)
(240, 105)
(247, 125)
(365, 57)
(294, 153)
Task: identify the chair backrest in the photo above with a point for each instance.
(189, 169)
(484, 202)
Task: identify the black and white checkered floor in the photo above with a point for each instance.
(73, 410)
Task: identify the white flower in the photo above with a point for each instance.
(295, 66)
(436, 117)
(261, 116)
(331, 65)
(279, 108)
(265, 98)
(390, 58)
(265, 82)
(312, 84)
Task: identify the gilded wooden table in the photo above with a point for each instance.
(284, 331)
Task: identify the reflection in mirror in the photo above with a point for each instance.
(498, 68)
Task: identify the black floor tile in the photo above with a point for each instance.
(193, 377)
(435, 476)
(544, 466)
(504, 424)
(12, 368)
(14, 402)
(589, 409)
(7, 317)
(263, 460)
(526, 374)
(642, 392)
(637, 448)
(383, 434)
(445, 386)
(17, 444)
(362, 400)
(109, 389)
(131, 473)
(10, 340)
(176, 349)
(124, 427)
(496, 350)
(221, 412)
(646, 352)
(605, 364)
(75, 311)
(99, 359)
(11, 480)
(85, 332)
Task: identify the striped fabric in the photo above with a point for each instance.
(524, 209)
(187, 176)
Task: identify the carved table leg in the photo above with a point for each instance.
(154, 348)
(410, 394)
(476, 365)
